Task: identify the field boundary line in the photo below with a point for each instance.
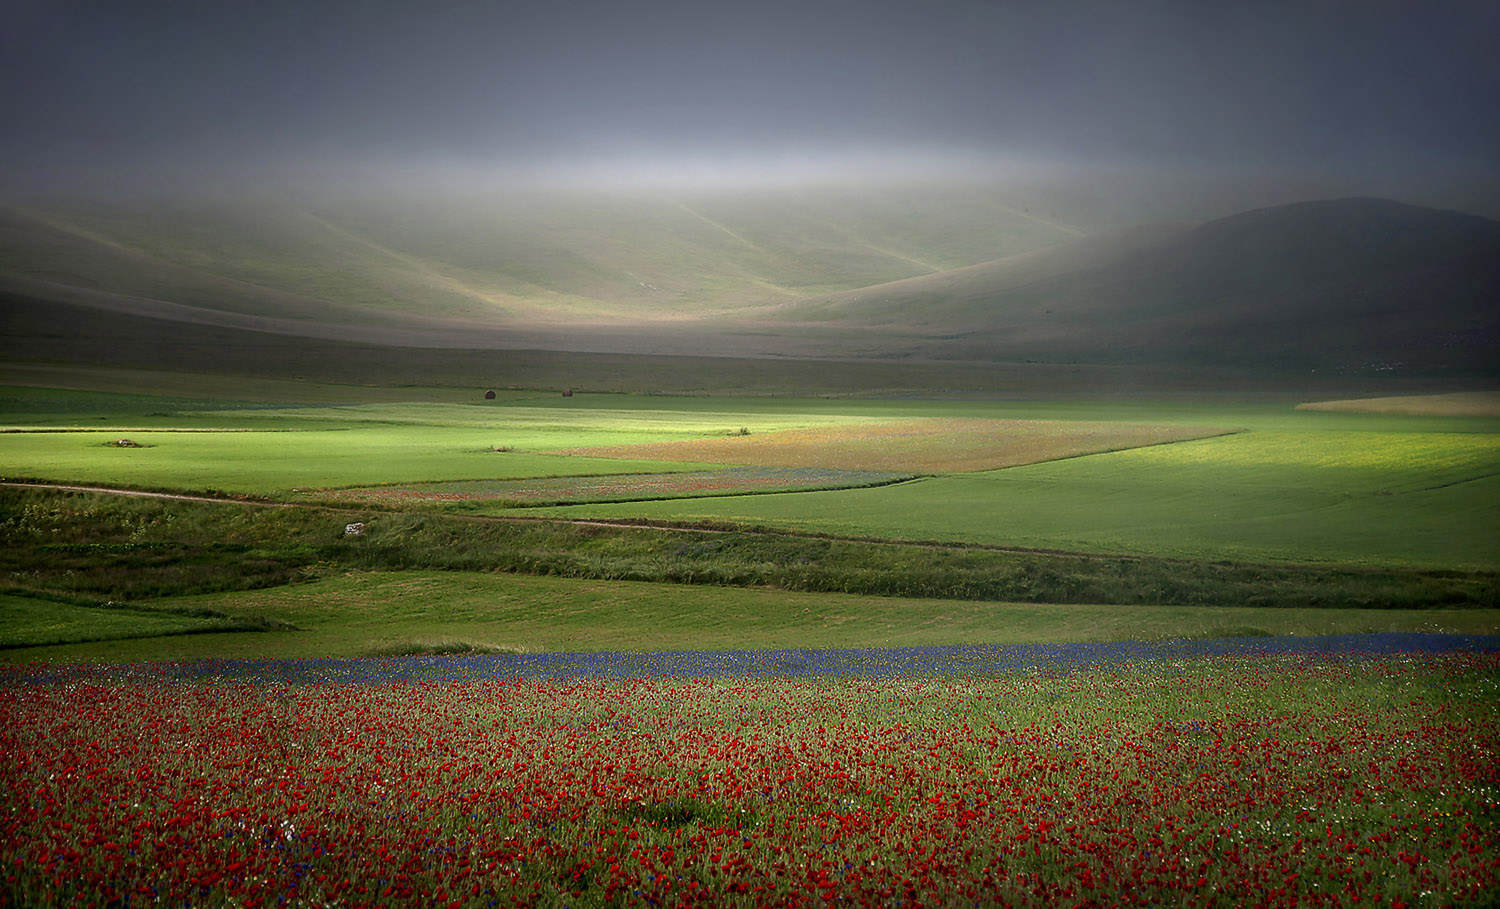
(26, 430)
(146, 494)
(1483, 476)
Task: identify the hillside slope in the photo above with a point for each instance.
(534, 258)
(1339, 284)
(1347, 285)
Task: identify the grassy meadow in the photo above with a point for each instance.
(1371, 498)
(1132, 518)
(387, 775)
(1275, 779)
(389, 613)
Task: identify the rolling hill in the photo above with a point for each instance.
(1342, 284)
(528, 258)
(930, 275)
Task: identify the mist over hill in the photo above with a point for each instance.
(906, 273)
(1345, 284)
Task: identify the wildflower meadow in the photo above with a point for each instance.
(1345, 772)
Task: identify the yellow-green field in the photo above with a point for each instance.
(923, 445)
(1456, 404)
(1393, 511)
(1295, 485)
(1370, 498)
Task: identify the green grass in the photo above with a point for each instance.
(1365, 489)
(364, 613)
(88, 548)
(351, 445)
(28, 622)
(1370, 498)
(467, 495)
(1323, 516)
(277, 463)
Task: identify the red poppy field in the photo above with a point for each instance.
(1226, 780)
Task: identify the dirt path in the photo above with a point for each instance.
(141, 493)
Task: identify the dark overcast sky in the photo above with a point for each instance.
(105, 90)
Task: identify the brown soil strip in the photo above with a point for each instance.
(141, 493)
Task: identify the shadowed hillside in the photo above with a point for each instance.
(1350, 286)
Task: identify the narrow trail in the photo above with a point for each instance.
(143, 494)
(513, 519)
(146, 494)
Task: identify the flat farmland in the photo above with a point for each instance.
(1456, 404)
(1365, 497)
(277, 462)
(1369, 489)
(932, 445)
(614, 487)
(30, 622)
(272, 451)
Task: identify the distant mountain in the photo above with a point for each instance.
(507, 260)
(1354, 285)
(1340, 284)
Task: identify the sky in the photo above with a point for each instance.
(100, 94)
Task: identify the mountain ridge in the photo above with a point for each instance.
(1344, 283)
(1317, 284)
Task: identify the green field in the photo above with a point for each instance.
(389, 613)
(1319, 513)
(1368, 498)
(273, 451)
(31, 622)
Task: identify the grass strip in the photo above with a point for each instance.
(120, 548)
(455, 612)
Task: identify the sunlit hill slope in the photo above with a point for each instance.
(938, 273)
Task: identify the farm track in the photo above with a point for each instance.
(146, 494)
